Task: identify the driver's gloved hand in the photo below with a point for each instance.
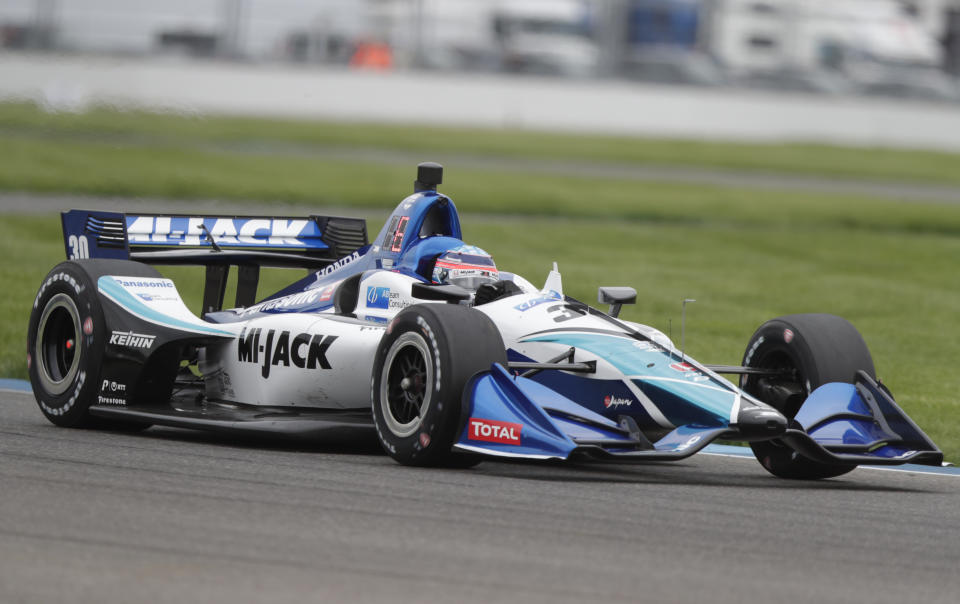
(488, 292)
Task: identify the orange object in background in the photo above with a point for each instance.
(372, 55)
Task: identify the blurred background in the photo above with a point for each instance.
(904, 48)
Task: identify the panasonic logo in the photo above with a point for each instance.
(155, 283)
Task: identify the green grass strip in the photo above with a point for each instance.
(180, 129)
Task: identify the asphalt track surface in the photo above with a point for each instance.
(173, 516)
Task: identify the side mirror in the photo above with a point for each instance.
(616, 297)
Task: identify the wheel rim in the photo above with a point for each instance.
(778, 360)
(58, 346)
(405, 392)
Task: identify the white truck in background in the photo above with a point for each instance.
(533, 36)
(865, 46)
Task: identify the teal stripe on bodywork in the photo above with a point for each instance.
(633, 357)
(116, 292)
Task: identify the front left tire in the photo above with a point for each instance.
(423, 363)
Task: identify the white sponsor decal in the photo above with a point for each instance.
(107, 400)
(193, 231)
(436, 348)
(690, 442)
(53, 279)
(131, 339)
(148, 283)
(79, 247)
(111, 386)
(614, 402)
(285, 302)
(337, 265)
(81, 378)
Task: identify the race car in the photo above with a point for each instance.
(419, 338)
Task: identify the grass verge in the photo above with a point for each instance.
(25, 119)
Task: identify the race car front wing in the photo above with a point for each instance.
(843, 424)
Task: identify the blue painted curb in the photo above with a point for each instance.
(15, 385)
(732, 451)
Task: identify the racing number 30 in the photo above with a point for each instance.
(79, 247)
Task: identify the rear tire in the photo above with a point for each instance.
(422, 365)
(66, 338)
(815, 349)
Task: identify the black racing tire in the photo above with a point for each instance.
(815, 349)
(66, 339)
(422, 365)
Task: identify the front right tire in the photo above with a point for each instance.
(810, 350)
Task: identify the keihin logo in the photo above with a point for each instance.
(131, 339)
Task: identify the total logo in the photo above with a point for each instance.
(493, 431)
(614, 402)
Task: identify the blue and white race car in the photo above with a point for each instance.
(422, 339)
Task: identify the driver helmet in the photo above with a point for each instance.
(467, 266)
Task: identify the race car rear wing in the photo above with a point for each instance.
(217, 242)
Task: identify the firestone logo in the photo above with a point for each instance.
(491, 430)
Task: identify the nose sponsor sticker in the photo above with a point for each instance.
(613, 401)
(493, 431)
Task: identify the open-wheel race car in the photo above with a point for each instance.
(420, 338)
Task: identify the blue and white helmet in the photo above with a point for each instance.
(467, 266)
